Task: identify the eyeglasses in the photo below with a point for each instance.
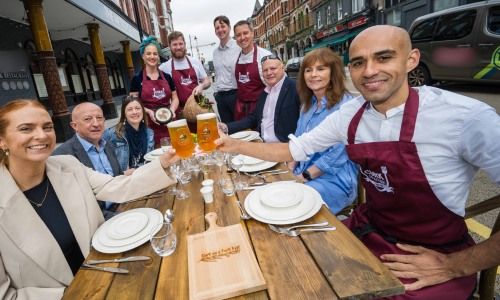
(272, 56)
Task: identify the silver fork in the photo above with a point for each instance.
(279, 229)
(297, 232)
(243, 214)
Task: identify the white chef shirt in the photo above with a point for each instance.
(267, 123)
(248, 59)
(224, 58)
(454, 135)
(182, 64)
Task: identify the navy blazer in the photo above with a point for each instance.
(75, 148)
(286, 113)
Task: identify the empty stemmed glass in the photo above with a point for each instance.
(237, 163)
(183, 175)
(219, 157)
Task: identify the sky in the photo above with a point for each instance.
(195, 18)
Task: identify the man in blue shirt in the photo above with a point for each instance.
(89, 147)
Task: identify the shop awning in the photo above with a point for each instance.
(332, 41)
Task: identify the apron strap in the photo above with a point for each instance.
(353, 126)
(409, 116)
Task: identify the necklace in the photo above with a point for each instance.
(44, 197)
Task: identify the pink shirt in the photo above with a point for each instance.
(267, 124)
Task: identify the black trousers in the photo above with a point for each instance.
(226, 101)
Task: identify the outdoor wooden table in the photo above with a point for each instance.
(322, 265)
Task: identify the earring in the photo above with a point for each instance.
(6, 151)
(124, 121)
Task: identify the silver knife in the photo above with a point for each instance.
(105, 269)
(253, 187)
(117, 260)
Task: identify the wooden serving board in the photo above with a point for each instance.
(221, 263)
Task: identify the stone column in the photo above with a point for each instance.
(128, 59)
(48, 66)
(108, 107)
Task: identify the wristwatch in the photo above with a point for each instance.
(307, 175)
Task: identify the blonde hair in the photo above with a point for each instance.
(9, 107)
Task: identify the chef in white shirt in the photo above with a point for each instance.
(224, 58)
(418, 150)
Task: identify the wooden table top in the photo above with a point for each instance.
(324, 265)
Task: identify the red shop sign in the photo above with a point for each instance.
(357, 22)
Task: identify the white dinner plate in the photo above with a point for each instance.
(152, 155)
(246, 135)
(280, 195)
(248, 160)
(310, 196)
(258, 167)
(154, 218)
(240, 135)
(127, 224)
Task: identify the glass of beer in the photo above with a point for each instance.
(181, 138)
(207, 131)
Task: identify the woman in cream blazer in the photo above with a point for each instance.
(32, 265)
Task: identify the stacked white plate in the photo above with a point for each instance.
(150, 156)
(126, 230)
(252, 164)
(246, 135)
(283, 203)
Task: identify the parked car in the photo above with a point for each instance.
(458, 44)
(292, 66)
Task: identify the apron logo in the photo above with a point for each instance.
(379, 180)
(186, 81)
(243, 78)
(159, 94)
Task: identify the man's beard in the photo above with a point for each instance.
(179, 56)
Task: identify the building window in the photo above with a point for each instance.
(438, 5)
(339, 9)
(328, 15)
(307, 18)
(394, 17)
(357, 5)
(318, 19)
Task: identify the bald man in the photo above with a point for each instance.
(88, 146)
(418, 151)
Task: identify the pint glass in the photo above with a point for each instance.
(181, 138)
(207, 131)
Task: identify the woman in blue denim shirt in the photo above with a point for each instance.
(130, 138)
(322, 91)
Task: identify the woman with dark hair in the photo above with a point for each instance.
(131, 138)
(48, 204)
(322, 91)
(155, 88)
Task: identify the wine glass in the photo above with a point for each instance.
(237, 162)
(183, 175)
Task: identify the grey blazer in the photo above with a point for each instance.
(32, 265)
(75, 148)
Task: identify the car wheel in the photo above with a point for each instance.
(419, 76)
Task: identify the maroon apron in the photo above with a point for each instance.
(155, 94)
(185, 82)
(401, 206)
(250, 86)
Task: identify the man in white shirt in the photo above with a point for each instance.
(418, 150)
(224, 58)
(188, 73)
(248, 70)
(278, 108)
